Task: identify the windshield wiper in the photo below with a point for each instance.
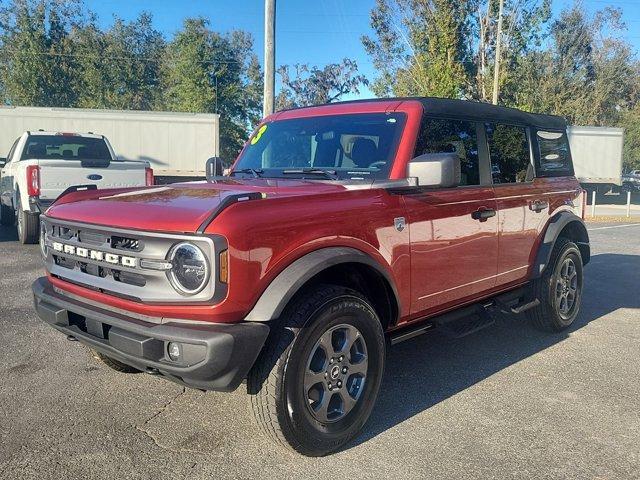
(256, 172)
(330, 174)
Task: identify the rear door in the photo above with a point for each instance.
(454, 248)
(523, 203)
(66, 160)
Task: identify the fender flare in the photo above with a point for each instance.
(556, 225)
(288, 282)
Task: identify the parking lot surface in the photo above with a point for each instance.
(505, 402)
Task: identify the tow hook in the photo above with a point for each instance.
(71, 338)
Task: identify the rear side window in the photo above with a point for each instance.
(452, 136)
(65, 147)
(553, 149)
(510, 153)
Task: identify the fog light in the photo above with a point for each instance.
(174, 350)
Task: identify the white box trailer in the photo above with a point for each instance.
(597, 156)
(175, 144)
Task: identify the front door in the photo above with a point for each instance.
(453, 231)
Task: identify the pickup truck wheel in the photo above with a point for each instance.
(316, 381)
(7, 216)
(113, 364)
(559, 289)
(28, 225)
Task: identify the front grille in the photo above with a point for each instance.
(109, 260)
(125, 243)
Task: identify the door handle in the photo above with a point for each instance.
(483, 214)
(538, 205)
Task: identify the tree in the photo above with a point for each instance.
(36, 52)
(422, 47)
(314, 86)
(587, 73)
(119, 68)
(205, 71)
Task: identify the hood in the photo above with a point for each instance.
(177, 208)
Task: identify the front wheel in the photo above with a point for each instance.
(316, 381)
(559, 289)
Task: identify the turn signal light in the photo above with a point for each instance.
(224, 267)
(33, 180)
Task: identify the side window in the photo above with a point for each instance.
(452, 136)
(553, 148)
(510, 154)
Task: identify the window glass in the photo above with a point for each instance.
(510, 154)
(554, 153)
(453, 136)
(349, 146)
(65, 147)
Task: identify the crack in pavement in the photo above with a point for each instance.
(153, 438)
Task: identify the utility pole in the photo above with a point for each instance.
(496, 71)
(269, 57)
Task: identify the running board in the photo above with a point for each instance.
(467, 320)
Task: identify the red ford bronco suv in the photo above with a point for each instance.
(341, 229)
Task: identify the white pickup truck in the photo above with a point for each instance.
(42, 165)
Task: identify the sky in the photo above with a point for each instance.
(316, 32)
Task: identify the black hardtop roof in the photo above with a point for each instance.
(479, 111)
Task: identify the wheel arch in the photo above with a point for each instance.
(563, 224)
(342, 266)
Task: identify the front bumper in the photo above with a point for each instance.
(213, 356)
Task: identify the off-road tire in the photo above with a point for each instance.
(29, 231)
(113, 364)
(275, 384)
(7, 216)
(547, 315)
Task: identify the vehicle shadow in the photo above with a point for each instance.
(8, 234)
(427, 370)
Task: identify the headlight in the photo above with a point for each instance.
(190, 268)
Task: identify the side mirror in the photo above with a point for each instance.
(438, 170)
(215, 168)
(3, 162)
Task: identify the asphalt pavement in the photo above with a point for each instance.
(505, 402)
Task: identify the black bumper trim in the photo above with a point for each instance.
(215, 356)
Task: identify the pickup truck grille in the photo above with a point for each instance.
(110, 260)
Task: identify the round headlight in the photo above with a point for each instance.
(190, 268)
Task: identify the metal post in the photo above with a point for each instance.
(593, 203)
(496, 70)
(628, 203)
(269, 57)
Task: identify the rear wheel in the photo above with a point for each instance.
(559, 289)
(316, 382)
(28, 225)
(113, 364)
(7, 216)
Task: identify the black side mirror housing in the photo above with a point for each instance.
(3, 162)
(215, 168)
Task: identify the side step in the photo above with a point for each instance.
(467, 320)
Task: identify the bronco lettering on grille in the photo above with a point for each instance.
(97, 255)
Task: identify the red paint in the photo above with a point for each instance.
(443, 259)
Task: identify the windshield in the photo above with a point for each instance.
(65, 147)
(354, 146)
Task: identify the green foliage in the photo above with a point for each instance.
(630, 121)
(422, 47)
(314, 86)
(35, 44)
(52, 53)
